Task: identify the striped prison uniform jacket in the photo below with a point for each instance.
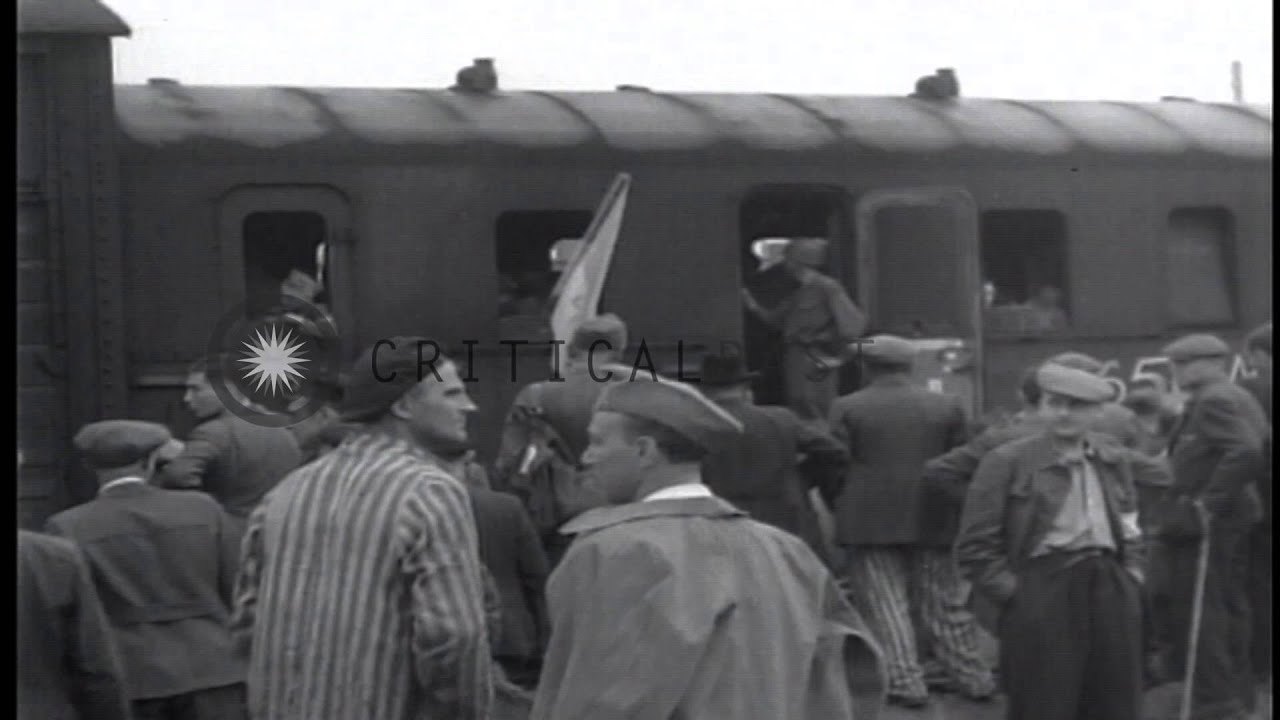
(360, 592)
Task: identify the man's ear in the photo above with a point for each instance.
(400, 408)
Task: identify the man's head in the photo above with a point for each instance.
(804, 254)
(1047, 296)
(407, 386)
(1257, 349)
(1197, 359)
(122, 448)
(887, 355)
(1070, 399)
(1029, 388)
(603, 337)
(200, 397)
(725, 376)
(645, 431)
(300, 285)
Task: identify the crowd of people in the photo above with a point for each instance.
(646, 548)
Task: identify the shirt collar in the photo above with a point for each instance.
(118, 482)
(679, 492)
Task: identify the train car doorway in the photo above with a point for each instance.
(920, 278)
(789, 211)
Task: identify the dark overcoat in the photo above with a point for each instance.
(68, 667)
(512, 551)
(164, 565)
(768, 470)
(891, 429)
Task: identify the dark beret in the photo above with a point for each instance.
(384, 373)
(1195, 347)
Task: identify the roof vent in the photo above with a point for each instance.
(632, 88)
(162, 82)
(941, 85)
(480, 77)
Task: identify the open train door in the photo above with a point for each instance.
(920, 278)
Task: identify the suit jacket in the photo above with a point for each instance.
(164, 565)
(768, 469)
(68, 667)
(891, 428)
(512, 551)
(233, 460)
(1017, 494)
(686, 608)
(1217, 458)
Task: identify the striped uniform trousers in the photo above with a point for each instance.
(886, 583)
(361, 592)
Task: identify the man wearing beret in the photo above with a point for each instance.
(68, 664)
(818, 321)
(891, 427)
(1216, 457)
(1113, 417)
(361, 591)
(164, 565)
(232, 459)
(1050, 540)
(672, 603)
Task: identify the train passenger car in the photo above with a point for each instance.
(1000, 230)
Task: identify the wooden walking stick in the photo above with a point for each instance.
(1197, 610)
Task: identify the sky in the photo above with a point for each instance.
(1136, 50)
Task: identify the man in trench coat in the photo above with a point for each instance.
(672, 603)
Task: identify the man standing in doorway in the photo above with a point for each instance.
(818, 322)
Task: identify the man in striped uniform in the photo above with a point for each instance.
(361, 590)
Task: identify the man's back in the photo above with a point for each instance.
(235, 461)
(757, 470)
(686, 608)
(67, 664)
(164, 566)
(511, 550)
(360, 591)
(891, 429)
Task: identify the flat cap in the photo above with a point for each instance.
(1077, 361)
(118, 443)
(674, 405)
(888, 350)
(1194, 347)
(1074, 383)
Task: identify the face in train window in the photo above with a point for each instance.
(1199, 259)
(526, 274)
(1024, 266)
(284, 253)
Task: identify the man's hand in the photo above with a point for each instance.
(170, 450)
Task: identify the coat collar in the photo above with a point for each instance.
(126, 489)
(600, 518)
(1097, 447)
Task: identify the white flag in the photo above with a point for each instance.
(577, 295)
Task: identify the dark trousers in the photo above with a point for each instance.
(1223, 683)
(220, 703)
(1260, 600)
(1071, 640)
(810, 385)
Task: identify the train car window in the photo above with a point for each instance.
(524, 241)
(790, 212)
(1024, 266)
(1199, 255)
(276, 244)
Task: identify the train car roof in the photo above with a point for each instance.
(68, 17)
(165, 113)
